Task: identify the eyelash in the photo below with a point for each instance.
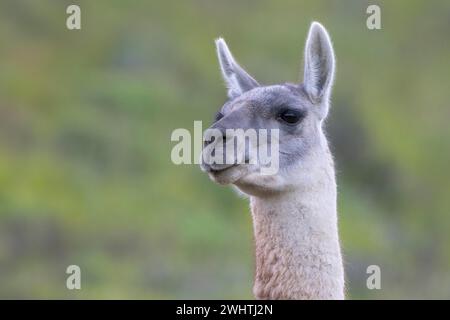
(219, 115)
(295, 115)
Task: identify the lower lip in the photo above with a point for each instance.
(214, 171)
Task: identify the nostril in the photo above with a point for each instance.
(222, 138)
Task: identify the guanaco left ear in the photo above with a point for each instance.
(236, 79)
(319, 67)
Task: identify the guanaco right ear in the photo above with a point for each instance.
(236, 79)
(319, 65)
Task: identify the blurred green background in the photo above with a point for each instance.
(85, 124)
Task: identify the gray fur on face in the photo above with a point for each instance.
(260, 108)
(251, 106)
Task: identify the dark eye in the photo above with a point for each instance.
(291, 116)
(219, 115)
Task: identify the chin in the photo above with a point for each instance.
(229, 175)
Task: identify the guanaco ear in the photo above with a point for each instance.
(319, 66)
(236, 79)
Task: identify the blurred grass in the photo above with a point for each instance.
(85, 124)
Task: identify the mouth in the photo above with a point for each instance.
(216, 168)
(220, 172)
(225, 175)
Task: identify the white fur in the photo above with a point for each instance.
(297, 246)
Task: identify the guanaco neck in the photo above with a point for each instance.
(298, 254)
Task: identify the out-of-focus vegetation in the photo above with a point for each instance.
(85, 124)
